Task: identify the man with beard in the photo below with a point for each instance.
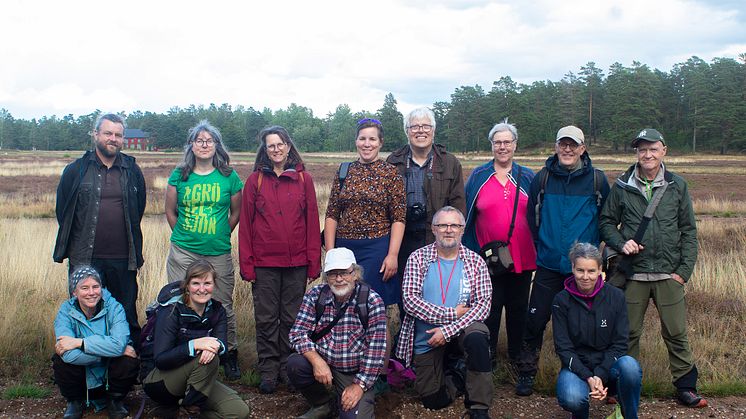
(340, 339)
(100, 202)
(447, 294)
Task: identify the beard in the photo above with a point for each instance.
(342, 292)
(103, 148)
(448, 243)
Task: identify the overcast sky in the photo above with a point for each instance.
(72, 57)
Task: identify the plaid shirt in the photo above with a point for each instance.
(347, 347)
(475, 270)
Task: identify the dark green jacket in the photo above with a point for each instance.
(670, 240)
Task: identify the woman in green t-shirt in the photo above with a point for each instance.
(203, 204)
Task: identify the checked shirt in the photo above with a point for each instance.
(475, 270)
(347, 347)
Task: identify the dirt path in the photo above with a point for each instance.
(403, 405)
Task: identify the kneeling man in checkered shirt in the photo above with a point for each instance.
(447, 294)
(340, 341)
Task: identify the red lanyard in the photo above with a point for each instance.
(443, 293)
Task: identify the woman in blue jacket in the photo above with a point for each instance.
(589, 323)
(190, 335)
(93, 360)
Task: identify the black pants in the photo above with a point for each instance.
(122, 284)
(511, 292)
(71, 379)
(546, 285)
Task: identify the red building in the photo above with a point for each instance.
(136, 139)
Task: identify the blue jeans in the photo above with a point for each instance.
(625, 380)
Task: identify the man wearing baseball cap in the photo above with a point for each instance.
(564, 202)
(340, 339)
(663, 260)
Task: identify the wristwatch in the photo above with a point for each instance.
(362, 386)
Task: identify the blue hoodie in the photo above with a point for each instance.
(105, 336)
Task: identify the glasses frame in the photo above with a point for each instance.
(420, 127)
(278, 146)
(445, 227)
(505, 144)
(344, 275)
(201, 143)
(569, 145)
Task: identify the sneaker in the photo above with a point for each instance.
(117, 410)
(525, 385)
(267, 386)
(74, 410)
(318, 412)
(691, 399)
(230, 366)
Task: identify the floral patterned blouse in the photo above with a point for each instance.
(372, 199)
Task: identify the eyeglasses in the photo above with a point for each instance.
(499, 144)
(278, 146)
(568, 145)
(423, 128)
(369, 120)
(343, 275)
(444, 227)
(202, 143)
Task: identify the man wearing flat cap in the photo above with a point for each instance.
(662, 261)
(564, 202)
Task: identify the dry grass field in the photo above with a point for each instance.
(32, 285)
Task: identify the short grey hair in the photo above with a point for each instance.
(111, 117)
(449, 208)
(419, 113)
(585, 251)
(503, 127)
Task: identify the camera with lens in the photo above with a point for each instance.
(416, 212)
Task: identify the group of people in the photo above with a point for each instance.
(406, 243)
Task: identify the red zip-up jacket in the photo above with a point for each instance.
(279, 223)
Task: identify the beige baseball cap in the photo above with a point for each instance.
(572, 132)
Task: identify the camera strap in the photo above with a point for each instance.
(515, 202)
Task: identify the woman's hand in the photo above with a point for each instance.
(207, 343)
(389, 266)
(206, 357)
(66, 343)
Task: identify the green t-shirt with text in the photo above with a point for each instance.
(204, 203)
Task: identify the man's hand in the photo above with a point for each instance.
(676, 277)
(437, 338)
(632, 248)
(461, 310)
(322, 373)
(389, 266)
(130, 352)
(351, 396)
(598, 391)
(66, 343)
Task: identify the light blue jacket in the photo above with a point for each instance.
(105, 336)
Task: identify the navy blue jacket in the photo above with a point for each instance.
(474, 184)
(569, 213)
(589, 340)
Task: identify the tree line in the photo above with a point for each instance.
(697, 105)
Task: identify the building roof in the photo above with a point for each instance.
(135, 133)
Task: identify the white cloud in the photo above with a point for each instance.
(76, 57)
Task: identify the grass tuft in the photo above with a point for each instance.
(26, 391)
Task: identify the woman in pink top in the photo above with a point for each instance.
(491, 191)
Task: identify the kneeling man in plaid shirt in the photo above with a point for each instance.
(334, 347)
(447, 294)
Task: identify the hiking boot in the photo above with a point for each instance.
(162, 411)
(476, 414)
(230, 366)
(691, 399)
(317, 412)
(117, 410)
(267, 386)
(74, 410)
(190, 412)
(525, 385)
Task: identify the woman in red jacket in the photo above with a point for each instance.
(279, 246)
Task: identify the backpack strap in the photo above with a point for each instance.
(543, 176)
(361, 309)
(597, 179)
(362, 304)
(343, 169)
